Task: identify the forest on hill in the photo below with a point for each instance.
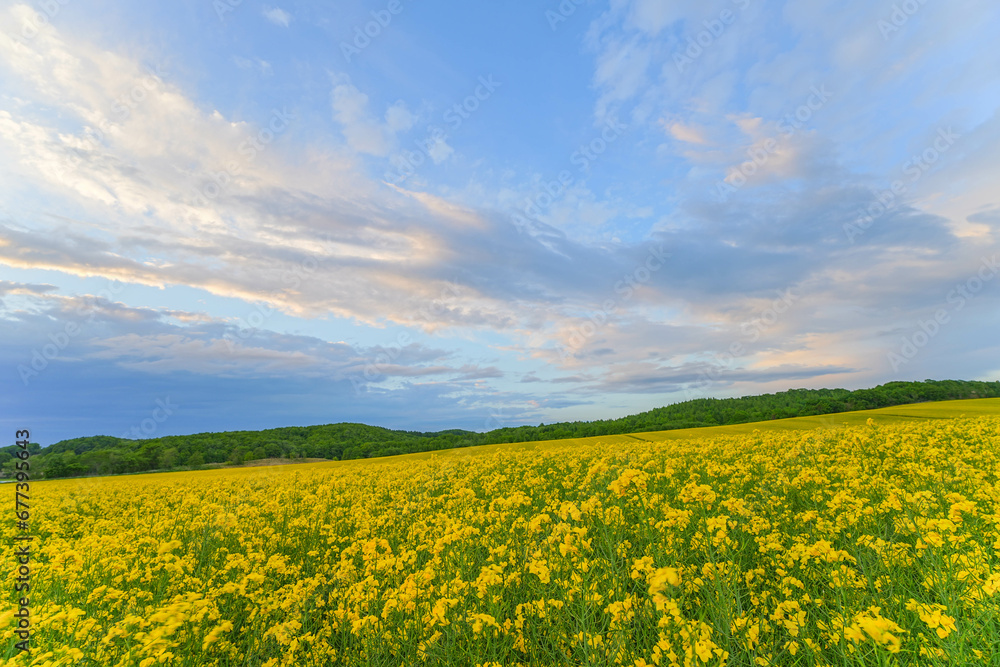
(107, 455)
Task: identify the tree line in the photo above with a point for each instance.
(107, 455)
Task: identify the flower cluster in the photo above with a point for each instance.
(858, 545)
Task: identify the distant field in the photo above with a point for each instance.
(980, 407)
(868, 538)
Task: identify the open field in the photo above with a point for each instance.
(868, 538)
(893, 415)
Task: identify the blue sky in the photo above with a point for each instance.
(431, 215)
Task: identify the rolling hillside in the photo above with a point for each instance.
(103, 455)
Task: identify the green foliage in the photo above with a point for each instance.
(106, 455)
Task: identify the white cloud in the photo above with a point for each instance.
(277, 16)
(363, 132)
(162, 341)
(652, 16)
(300, 227)
(687, 133)
(621, 73)
(398, 118)
(439, 150)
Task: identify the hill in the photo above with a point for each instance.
(103, 455)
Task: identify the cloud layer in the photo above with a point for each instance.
(773, 214)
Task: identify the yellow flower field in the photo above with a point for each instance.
(868, 544)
